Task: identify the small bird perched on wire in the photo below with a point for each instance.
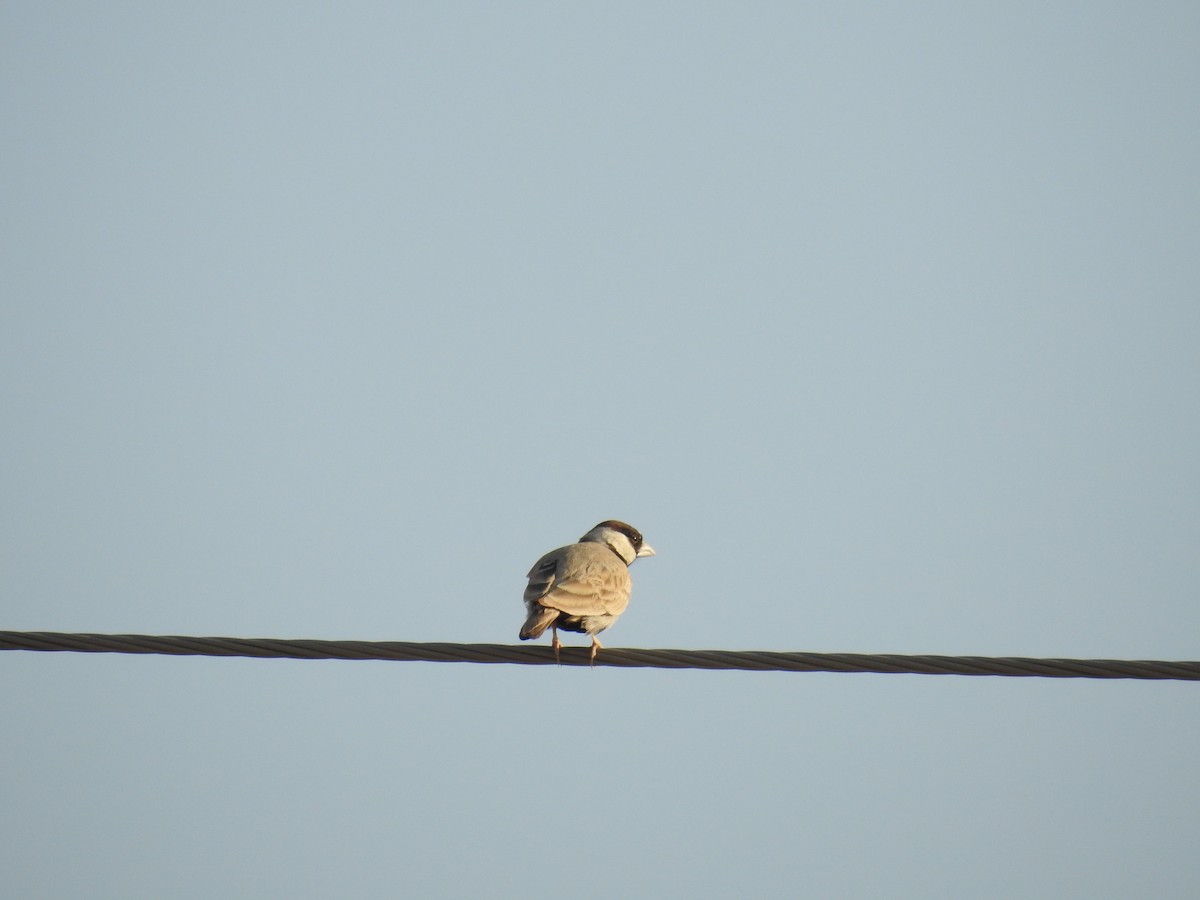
(583, 587)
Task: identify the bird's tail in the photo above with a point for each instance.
(539, 620)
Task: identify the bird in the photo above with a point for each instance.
(583, 587)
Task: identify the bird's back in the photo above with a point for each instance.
(580, 579)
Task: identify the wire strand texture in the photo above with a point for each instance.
(626, 658)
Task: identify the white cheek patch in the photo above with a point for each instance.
(616, 540)
(621, 545)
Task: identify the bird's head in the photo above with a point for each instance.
(624, 540)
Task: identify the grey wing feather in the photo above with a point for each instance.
(541, 577)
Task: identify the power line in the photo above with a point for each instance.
(746, 660)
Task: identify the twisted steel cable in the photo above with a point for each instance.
(745, 660)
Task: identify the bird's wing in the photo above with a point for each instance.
(542, 577)
(580, 580)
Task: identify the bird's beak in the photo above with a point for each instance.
(646, 550)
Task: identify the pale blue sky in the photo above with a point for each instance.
(882, 321)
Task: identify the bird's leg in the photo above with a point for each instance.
(555, 643)
(596, 645)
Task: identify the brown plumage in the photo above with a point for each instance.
(583, 587)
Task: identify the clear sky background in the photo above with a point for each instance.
(880, 320)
